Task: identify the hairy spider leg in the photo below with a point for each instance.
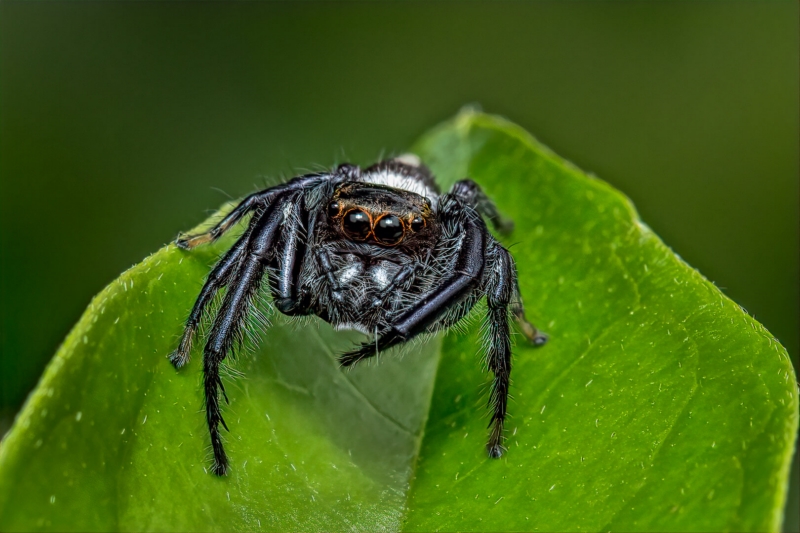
(217, 279)
(502, 294)
(499, 293)
(255, 200)
(228, 323)
(534, 336)
(284, 286)
(472, 194)
(466, 276)
(258, 199)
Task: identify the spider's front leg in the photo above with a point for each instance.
(501, 288)
(287, 270)
(227, 328)
(467, 270)
(225, 268)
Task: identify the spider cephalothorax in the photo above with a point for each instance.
(378, 250)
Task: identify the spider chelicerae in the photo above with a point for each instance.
(379, 250)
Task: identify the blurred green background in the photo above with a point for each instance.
(123, 123)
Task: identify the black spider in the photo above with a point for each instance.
(378, 250)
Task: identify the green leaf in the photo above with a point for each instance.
(113, 438)
(658, 403)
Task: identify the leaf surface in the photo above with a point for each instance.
(658, 403)
(114, 438)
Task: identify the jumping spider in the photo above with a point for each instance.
(378, 250)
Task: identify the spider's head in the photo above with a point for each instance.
(374, 213)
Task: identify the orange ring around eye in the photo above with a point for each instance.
(389, 230)
(357, 224)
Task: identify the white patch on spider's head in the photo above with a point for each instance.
(406, 183)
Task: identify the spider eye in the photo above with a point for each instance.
(333, 209)
(417, 223)
(356, 224)
(389, 230)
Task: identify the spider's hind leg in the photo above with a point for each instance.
(471, 194)
(187, 242)
(534, 336)
(260, 200)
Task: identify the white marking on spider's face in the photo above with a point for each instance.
(287, 212)
(346, 275)
(398, 181)
(380, 276)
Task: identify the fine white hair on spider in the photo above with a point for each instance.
(378, 250)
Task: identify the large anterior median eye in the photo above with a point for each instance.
(356, 224)
(389, 230)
